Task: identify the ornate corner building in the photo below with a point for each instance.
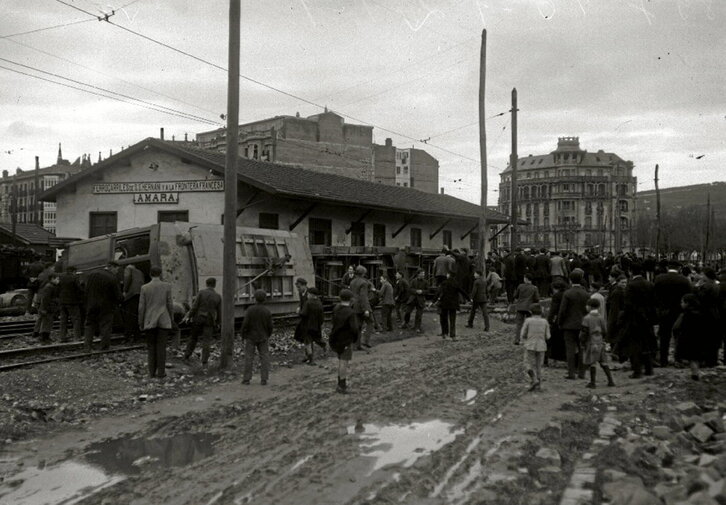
(571, 199)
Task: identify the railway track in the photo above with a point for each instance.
(50, 353)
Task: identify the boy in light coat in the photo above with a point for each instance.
(535, 333)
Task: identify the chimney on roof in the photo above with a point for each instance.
(5, 174)
(110, 152)
(173, 138)
(185, 138)
(389, 142)
(442, 191)
(161, 133)
(99, 156)
(297, 114)
(37, 160)
(60, 155)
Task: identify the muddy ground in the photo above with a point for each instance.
(427, 421)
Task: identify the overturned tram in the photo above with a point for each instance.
(190, 253)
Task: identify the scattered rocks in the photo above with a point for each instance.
(701, 432)
(629, 491)
(549, 455)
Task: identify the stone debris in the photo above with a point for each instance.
(549, 455)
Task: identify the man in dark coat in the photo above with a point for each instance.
(448, 300)
(707, 293)
(256, 331)
(360, 286)
(70, 297)
(205, 315)
(479, 300)
(103, 294)
(508, 275)
(669, 288)
(133, 280)
(400, 294)
(542, 273)
(416, 300)
(572, 310)
(638, 318)
(520, 267)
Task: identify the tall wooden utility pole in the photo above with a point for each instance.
(483, 227)
(229, 265)
(513, 164)
(657, 215)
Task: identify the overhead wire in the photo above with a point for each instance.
(38, 30)
(150, 90)
(92, 92)
(260, 83)
(176, 111)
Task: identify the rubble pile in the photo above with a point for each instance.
(681, 461)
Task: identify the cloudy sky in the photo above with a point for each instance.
(644, 79)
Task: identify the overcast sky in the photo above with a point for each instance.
(643, 79)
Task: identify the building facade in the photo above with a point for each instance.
(155, 181)
(326, 143)
(18, 192)
(572, 199)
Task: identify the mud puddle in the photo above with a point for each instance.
(106, 464)
(402, 444)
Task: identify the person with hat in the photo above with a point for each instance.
(256, 332)
(205, 315)
(416, 300)
(343, 334)
(359, 286)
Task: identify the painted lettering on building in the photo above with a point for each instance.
(158, 187)
(156, 197)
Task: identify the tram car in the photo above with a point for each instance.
(190, 253)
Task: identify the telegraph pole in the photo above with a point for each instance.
(229, 265)
(483, 228)
(513, 164)
(708, 227)
(657, 215)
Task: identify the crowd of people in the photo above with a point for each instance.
(599, 306)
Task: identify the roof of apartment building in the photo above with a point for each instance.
(293, 182)
(598, 159)
(28, 233)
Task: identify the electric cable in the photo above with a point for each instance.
(37, 30)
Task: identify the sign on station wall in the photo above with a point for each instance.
(161, 192)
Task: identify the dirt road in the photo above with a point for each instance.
(427, 421)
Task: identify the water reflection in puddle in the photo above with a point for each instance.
(66, 483)
(107, 464)
(130, 455)
(403, 444)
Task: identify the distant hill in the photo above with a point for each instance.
(674, 199)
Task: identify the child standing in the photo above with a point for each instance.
(311, 317)
(342, 336)
(256, 332)
(592, 341)
(535, 333)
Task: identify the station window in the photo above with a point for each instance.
(320, 231)
(357, 234)
(102, 223)
(446, 236)
(269, 221)
(379, 235)
(169, 216)
(415, 237)
(474, 241)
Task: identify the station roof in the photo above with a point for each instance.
(299, 183)
(28, 233)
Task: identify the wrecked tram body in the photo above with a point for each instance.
(189, 253)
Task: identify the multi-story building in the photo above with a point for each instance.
(572, 199)
(18, 192)
(325, 143)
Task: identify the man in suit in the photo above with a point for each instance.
(155, 318)
(416, 300)
(205, 315)
(400, 293)
(572, 310)
(669, 288)
(362, 306)
(103, 294)
(479, 300)
(638, 318)
(256, 331)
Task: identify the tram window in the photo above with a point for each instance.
(130, 247)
